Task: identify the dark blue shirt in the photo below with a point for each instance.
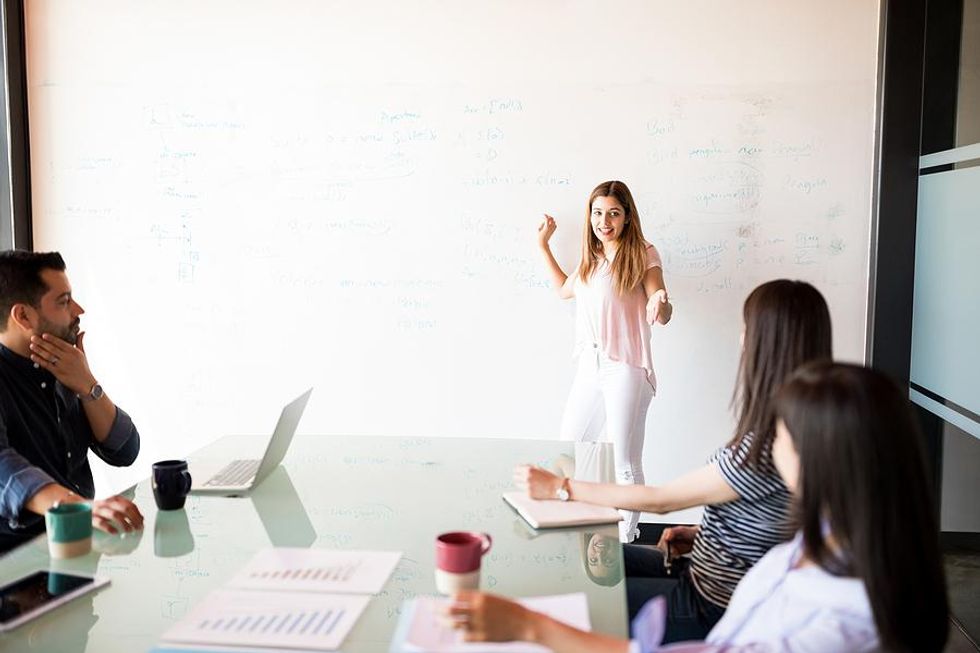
(44, 438)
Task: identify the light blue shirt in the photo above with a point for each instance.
(779, 609)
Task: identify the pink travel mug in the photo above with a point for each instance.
(458, 556)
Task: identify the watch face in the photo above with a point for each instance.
(96, 392)
(562, 494)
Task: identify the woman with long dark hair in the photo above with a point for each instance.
(746, 513)
(864, 498)
(862, 574)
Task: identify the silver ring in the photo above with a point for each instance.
(54, 360)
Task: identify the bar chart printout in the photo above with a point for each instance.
(317, 570)
(270, 619)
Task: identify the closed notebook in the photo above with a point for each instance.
(551, 513)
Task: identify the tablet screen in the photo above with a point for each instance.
(34, 592)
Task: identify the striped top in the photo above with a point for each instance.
(734, 535)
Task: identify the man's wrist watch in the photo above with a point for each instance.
(93, 395)
(562, 494)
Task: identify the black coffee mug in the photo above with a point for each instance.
(171, 483)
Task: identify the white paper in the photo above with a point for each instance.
(317, 570)
(430, 632)
(270, 619)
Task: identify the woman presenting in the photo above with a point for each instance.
(619, 290)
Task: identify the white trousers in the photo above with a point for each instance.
(614, 395)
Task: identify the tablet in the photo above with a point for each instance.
(37, 593)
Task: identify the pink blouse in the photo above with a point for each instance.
(613, 323)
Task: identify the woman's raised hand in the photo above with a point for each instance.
(546, 229)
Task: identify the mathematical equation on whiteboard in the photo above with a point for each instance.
(728, 187)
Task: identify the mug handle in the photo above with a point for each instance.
(187, 480)
(487, 542)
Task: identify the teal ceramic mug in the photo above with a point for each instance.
(69, 528)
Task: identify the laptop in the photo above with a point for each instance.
(240, 476)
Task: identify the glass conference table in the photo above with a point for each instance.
(375, 493)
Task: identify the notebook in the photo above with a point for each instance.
(551, 513)
(239, 476)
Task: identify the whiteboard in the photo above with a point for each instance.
(252, 199)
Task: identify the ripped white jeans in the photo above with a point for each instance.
(614, 395)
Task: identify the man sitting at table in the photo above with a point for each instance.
(52, 409)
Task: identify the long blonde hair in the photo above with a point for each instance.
(630, 264)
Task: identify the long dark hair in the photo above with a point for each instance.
(863, 476)
(787, 324)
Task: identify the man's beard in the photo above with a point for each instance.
(67, 333)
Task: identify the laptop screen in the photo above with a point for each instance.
(282, 436)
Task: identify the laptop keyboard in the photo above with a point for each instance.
(237, 472)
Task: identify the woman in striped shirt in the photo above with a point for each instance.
(746, 512)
